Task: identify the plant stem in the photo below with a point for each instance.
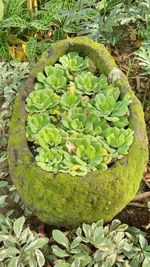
(30, 7)
(104, 9)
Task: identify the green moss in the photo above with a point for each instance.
(85, 47)
(62, 199)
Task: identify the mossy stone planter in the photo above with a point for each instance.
(62, 199)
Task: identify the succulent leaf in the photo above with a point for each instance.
(121, 122)
(112, 91)
(54, 70)
(121, 108)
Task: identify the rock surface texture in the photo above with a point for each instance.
(63, 200)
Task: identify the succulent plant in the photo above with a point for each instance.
(104, 104)
(39, 86)
(55, 70)
(92, 151)
(49, 158)
(121, 108)
(94, 124)
(69, 100)
(41, 100)
(120, 139)
(121, 122)
(87, 121)
(42, 78)
(55, 79)
(35, 123)
(87, 83)
(75, 119)
(48, 135)
(111, 91)
(103, 82)
(57, 82)
(74, 164)
(73, 62)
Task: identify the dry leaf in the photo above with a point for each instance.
(71, 147)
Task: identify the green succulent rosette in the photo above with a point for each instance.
(104, 104)
(55, 78)
(120, 139)
(48, 135)
(40, 101)
(69, 100)
(87, 83)
(34, 123)
(73, 62)
(49, 159)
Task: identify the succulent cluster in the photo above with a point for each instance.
(76, 119)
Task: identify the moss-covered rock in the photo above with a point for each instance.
(62, 199)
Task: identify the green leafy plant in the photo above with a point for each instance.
(49, 134)
(119, 138)
(35, 123)
(73, 62)
(143, 56)
(21, 25)
(49, 159)
(69, 100)
(92, 151)
(75, 119)
(87, 83)
(73, 132)
(40, 101)
(121, 108)
(84, 120)
(109, 89)
(98, 245)
(31, 49)
(19, 245)
(104, 104)
(120, 122)
(1, 9)
(55, 79)
(11, 76)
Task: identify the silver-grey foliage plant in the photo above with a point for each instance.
(97, 245)
(19, 246)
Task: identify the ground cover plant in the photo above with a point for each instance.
(76, 119)
(98, 245)
(25, 32)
